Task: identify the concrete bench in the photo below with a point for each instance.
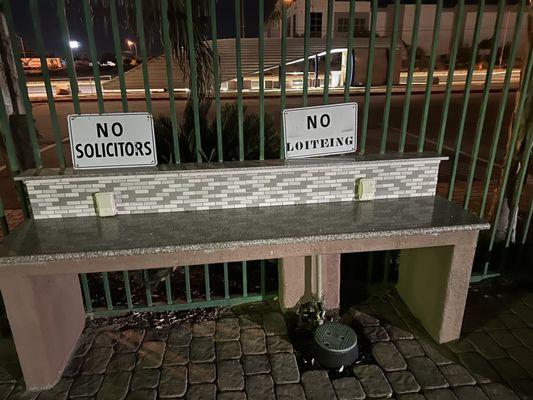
(40, 261)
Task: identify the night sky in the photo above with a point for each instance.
(104, 41)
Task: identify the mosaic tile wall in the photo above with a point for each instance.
(204, 189)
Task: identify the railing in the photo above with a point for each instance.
(479, 176)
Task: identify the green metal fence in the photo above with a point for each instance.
(503, 181)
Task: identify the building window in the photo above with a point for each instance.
(360, 25)
(316, 24)
(342, 25)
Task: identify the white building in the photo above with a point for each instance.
(384, 22)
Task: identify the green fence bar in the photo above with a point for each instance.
(484, 101)
(3, 220)
(170, 79)
(107, 291)
(390, 74)
(501, 110)
(456, 40)
(261, 82)
(409, 86)
(349, 51)
(520, 183)
(226, 281)
(244, 279)
(144, 56)
(466, 95)
(117, 44)
(207, 283)
(147, 289)
(168, 289)
(512, 144)
(263, 278)
(36, 21)
(527, 223)
(87, 16)
(86, 293)
(429, 80)
(127, 288)
(307, 33)
(188, 284)
(71, 69)
(22, 85)
(283, 76)
(216, 78)
(369, 70)
(329, 29)
(194, 82)
(240, 110)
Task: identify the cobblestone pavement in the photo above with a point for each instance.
(249, 356)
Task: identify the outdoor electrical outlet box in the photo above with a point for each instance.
(104, 204)
(366, 189)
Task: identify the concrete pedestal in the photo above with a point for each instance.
(297, 281)
(46, 316)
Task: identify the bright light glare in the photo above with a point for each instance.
(74, 44)
(130, 43)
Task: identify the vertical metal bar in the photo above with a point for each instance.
(216, 80)
(34, 12)
(170, 82)
(3, 220)
(144, 56)
(168, 290)
(107, 291)
(226, 281)
(127, 288)
(261, 82)
(466, 95)
(188, 284)
(307, 33)
(512, 143)
(207, 283)
(409, 86)
(87, 16)
(194, 82)
(503, 103)
(369, 70)
(244, 279)
(369, 268)
(456, 40)
(86, 293)
(329, 29)
(386, 270)
(429, 80)
(240, 110)
(390, 74)
(118, 53)
(520, 183)
(147, 289)
(528, 223)
(22, 85)
(263, 278)
(349, 50)
(283, 76)
(484, 100)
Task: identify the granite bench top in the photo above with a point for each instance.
(207, 231)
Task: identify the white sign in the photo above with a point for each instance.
(112, 140)
(320, 130)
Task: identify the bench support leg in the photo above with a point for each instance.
(46, 317)
(297, 281)
(433, 283)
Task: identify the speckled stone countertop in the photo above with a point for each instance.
(54, 173)
(204, 231)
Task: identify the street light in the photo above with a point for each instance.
(131, 44)
(74, 44)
